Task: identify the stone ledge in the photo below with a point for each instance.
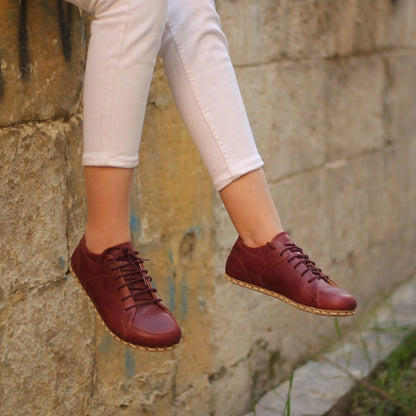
(318, 385)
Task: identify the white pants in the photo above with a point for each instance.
(126, 38)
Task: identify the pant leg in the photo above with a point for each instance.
(125, 40)
(205, 89)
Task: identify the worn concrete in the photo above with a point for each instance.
(329, 88)
(321, 383)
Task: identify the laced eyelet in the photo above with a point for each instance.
(304, 259)
(134, 277)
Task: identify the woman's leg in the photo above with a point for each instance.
(108, 202)
(205, 89)
(203, 84)
(125, 38)
(251, 208)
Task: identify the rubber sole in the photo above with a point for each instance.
(304, 308)
(137, 347)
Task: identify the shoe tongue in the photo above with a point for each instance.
(281, 238)
(113, 251)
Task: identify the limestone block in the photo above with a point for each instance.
(302, 201)
(47, 351)
(286, 106)
(390, 194)
(252, 29)
(399, 101)
(368, 225)
(354, 106)
(233, 309)
(33, 213)
(392, 263)
(395, 24)
(41, 60)
(231, 391)
(306, 113)
(409, 199)
(348, 209)
(357, 27)
(139, 382)
(267, 31)
(196, 400)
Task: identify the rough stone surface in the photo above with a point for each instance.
(331, 112)
(318, 385)
(298, 119)
(264, 31)
(47, 347)
(32, 198)
(329, 89)
(42, 55)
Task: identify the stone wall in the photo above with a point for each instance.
(329, 87)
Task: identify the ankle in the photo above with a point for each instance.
(97, 240)
(260, 238)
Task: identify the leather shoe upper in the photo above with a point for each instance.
(121, 291)
(281, 267)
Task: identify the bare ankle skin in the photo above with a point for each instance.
(108, 203)
(251, 208)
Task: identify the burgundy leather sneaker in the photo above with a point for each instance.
(281, 269)
(119, 288)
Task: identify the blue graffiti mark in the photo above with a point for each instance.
(170, 254)
(184, 297)
(105, 343)
(171, 300)
(83, 34)
(202, 304)
(135, 223)
(61, 262)
(130, 364)
(197, 229)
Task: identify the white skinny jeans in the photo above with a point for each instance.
(126, 38)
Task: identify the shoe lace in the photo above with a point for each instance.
(135, 278)
(303, 259)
